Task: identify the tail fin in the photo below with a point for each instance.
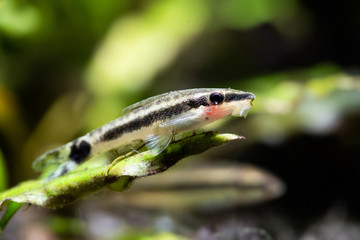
(54, 163)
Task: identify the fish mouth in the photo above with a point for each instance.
(243, 107)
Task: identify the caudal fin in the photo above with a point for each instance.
(54, 163)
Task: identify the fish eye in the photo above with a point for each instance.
(216, 97)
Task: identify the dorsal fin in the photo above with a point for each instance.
(143, 103)
(164, 95)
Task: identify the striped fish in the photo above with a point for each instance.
(153, 121)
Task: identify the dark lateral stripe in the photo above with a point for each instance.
(238, 96)
(153, 117)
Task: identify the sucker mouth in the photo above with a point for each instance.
(242, 108)
(244, 112)
(247, 107)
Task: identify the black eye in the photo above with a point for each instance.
(216, 97)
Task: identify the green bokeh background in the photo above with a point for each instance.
(67, 67)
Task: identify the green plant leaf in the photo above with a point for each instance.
(8, 214)
(66, 189)
(3, 173)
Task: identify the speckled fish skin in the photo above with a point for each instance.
(154, 120)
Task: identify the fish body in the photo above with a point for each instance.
(154, 121)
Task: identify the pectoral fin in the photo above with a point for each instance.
(183, 120)
(158, 142)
